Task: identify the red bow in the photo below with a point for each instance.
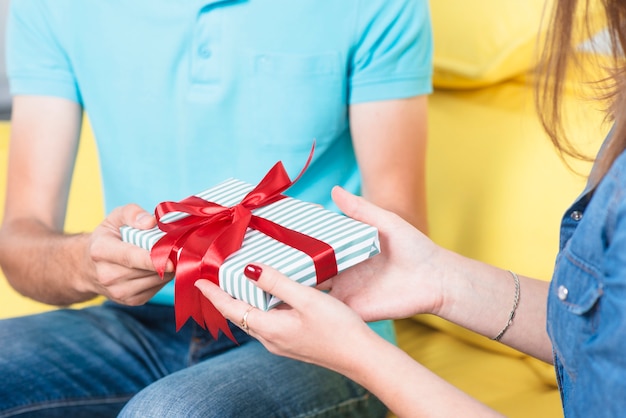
(198, 244)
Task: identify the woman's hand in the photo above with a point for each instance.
(311, 326)
(399, 282)
(123, 272)
(316, 328)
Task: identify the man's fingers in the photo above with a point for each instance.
(121, 253)
(132, 215)
(135, 216)
(133, 257)
(138, 257)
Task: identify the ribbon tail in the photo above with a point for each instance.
(187, 297)
(189, 300)
(162, 251)
(273, 184)
(223, 245)
(306, 165)
(186, 303)
(190, 303)
(213, 320)
(168, 246)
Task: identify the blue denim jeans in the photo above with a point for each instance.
(98, 361)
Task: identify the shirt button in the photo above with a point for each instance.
(204, 51)
(562, 292)
(576, 215)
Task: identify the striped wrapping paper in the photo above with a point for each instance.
(352, 241)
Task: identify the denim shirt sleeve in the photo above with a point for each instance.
(587, 301)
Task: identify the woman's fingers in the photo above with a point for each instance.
(266, 278)
(231, 308)
(357, 207)
(274, 282)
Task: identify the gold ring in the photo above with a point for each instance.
(244, 320)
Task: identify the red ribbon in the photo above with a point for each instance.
(198, 244)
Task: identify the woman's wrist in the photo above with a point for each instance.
(476, 296)
(365, 357)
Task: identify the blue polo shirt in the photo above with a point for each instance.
(182, 95)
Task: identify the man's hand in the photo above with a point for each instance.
(123, 272)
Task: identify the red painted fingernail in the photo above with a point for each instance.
(253, 272)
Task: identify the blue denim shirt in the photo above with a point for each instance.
(587, 301)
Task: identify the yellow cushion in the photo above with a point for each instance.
(482, 42)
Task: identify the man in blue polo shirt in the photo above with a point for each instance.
(180, 97)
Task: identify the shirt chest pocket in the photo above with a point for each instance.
(575, 294)
(294, 99)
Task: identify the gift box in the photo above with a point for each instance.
(351, 240)
(344, 241)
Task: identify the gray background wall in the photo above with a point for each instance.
(5, 100)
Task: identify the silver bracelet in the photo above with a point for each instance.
(512, 313)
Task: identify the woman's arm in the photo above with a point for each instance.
(413, 275)
(316, 328)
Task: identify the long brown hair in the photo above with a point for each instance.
(571, 20)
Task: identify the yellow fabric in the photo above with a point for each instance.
(485, 41)
(482, 42)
